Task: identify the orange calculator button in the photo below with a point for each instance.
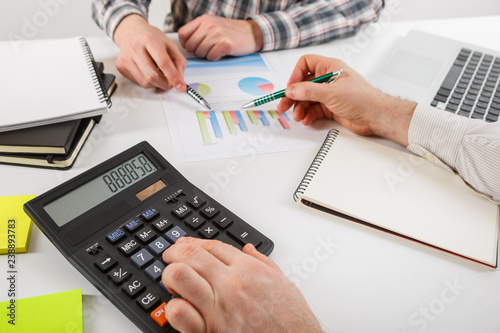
(158, 314)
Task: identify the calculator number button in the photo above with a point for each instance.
(105, 262)
(133, 288)
(142, 258)
(145, 235)
(194, 221)
(158, 315)
(208, 231)
(116, 236)
(209, 211)
(181, 211)
(196, 201)
(162, 225)
(159, 245)
(154, 271)
(119, 275)
(128, 247)
(174, 234)
(133, 224)
(147, 301)
(150, 214)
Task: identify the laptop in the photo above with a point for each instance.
(445, 73)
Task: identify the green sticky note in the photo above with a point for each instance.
(60, 312)
(15, 225)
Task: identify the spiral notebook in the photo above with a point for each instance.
(48, 81)
(400, 194)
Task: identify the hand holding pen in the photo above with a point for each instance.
(327, 78)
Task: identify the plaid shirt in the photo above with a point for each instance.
(284, 23)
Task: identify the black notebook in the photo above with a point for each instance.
(400, 194)
(55, 161)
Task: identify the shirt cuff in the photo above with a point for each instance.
(116, 13)
(436, 135)
(278, 30)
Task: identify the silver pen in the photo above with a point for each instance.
(197, 97)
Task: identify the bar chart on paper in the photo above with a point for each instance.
(229, 131)
(210, 128)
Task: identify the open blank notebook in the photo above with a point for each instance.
(48, 81)
(401, 194)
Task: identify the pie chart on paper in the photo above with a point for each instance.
(201, 89)
(256, 86)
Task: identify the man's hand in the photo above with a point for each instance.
(227, 290)
(148, 57)
(214, 37)
(350, 100)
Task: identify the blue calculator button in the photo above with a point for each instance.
(116, 236)
(159, 245)
(150, 214)
(133, 224)
(174, 234)
(142, 258)
(154, 271)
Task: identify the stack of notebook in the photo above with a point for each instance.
(62, 98)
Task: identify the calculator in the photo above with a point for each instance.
(114, 221)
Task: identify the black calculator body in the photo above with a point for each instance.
(113, 222)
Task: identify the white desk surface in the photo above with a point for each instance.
(366, 283)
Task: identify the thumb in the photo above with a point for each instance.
(309, 91)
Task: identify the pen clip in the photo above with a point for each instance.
(335, 76)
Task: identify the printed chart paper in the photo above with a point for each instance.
(229, 131)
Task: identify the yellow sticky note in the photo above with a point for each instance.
(60, 312)
(15, 225)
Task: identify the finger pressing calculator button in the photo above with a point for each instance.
(119, 275)
(128, 247)
(158, 315)
(209, 211)
(181, 211)
(133, 288)
(243, 236)
(196, 201)
(145, 235)
(174, 234)
(116, 236)
(147, 301)
(150, 214)
(208, 231)
(133, 224)
(154, 271)
(142, 258)
(194, 221)
(105, 262)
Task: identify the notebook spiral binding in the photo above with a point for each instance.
(316, 163)
(96, 79)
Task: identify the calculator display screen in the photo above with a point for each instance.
(78, 201)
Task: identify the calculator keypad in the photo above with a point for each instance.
(138, 244)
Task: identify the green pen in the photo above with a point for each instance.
(327, 78)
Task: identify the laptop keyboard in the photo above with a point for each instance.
(471, 88)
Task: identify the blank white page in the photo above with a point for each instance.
(406, 194)
(43, 80)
